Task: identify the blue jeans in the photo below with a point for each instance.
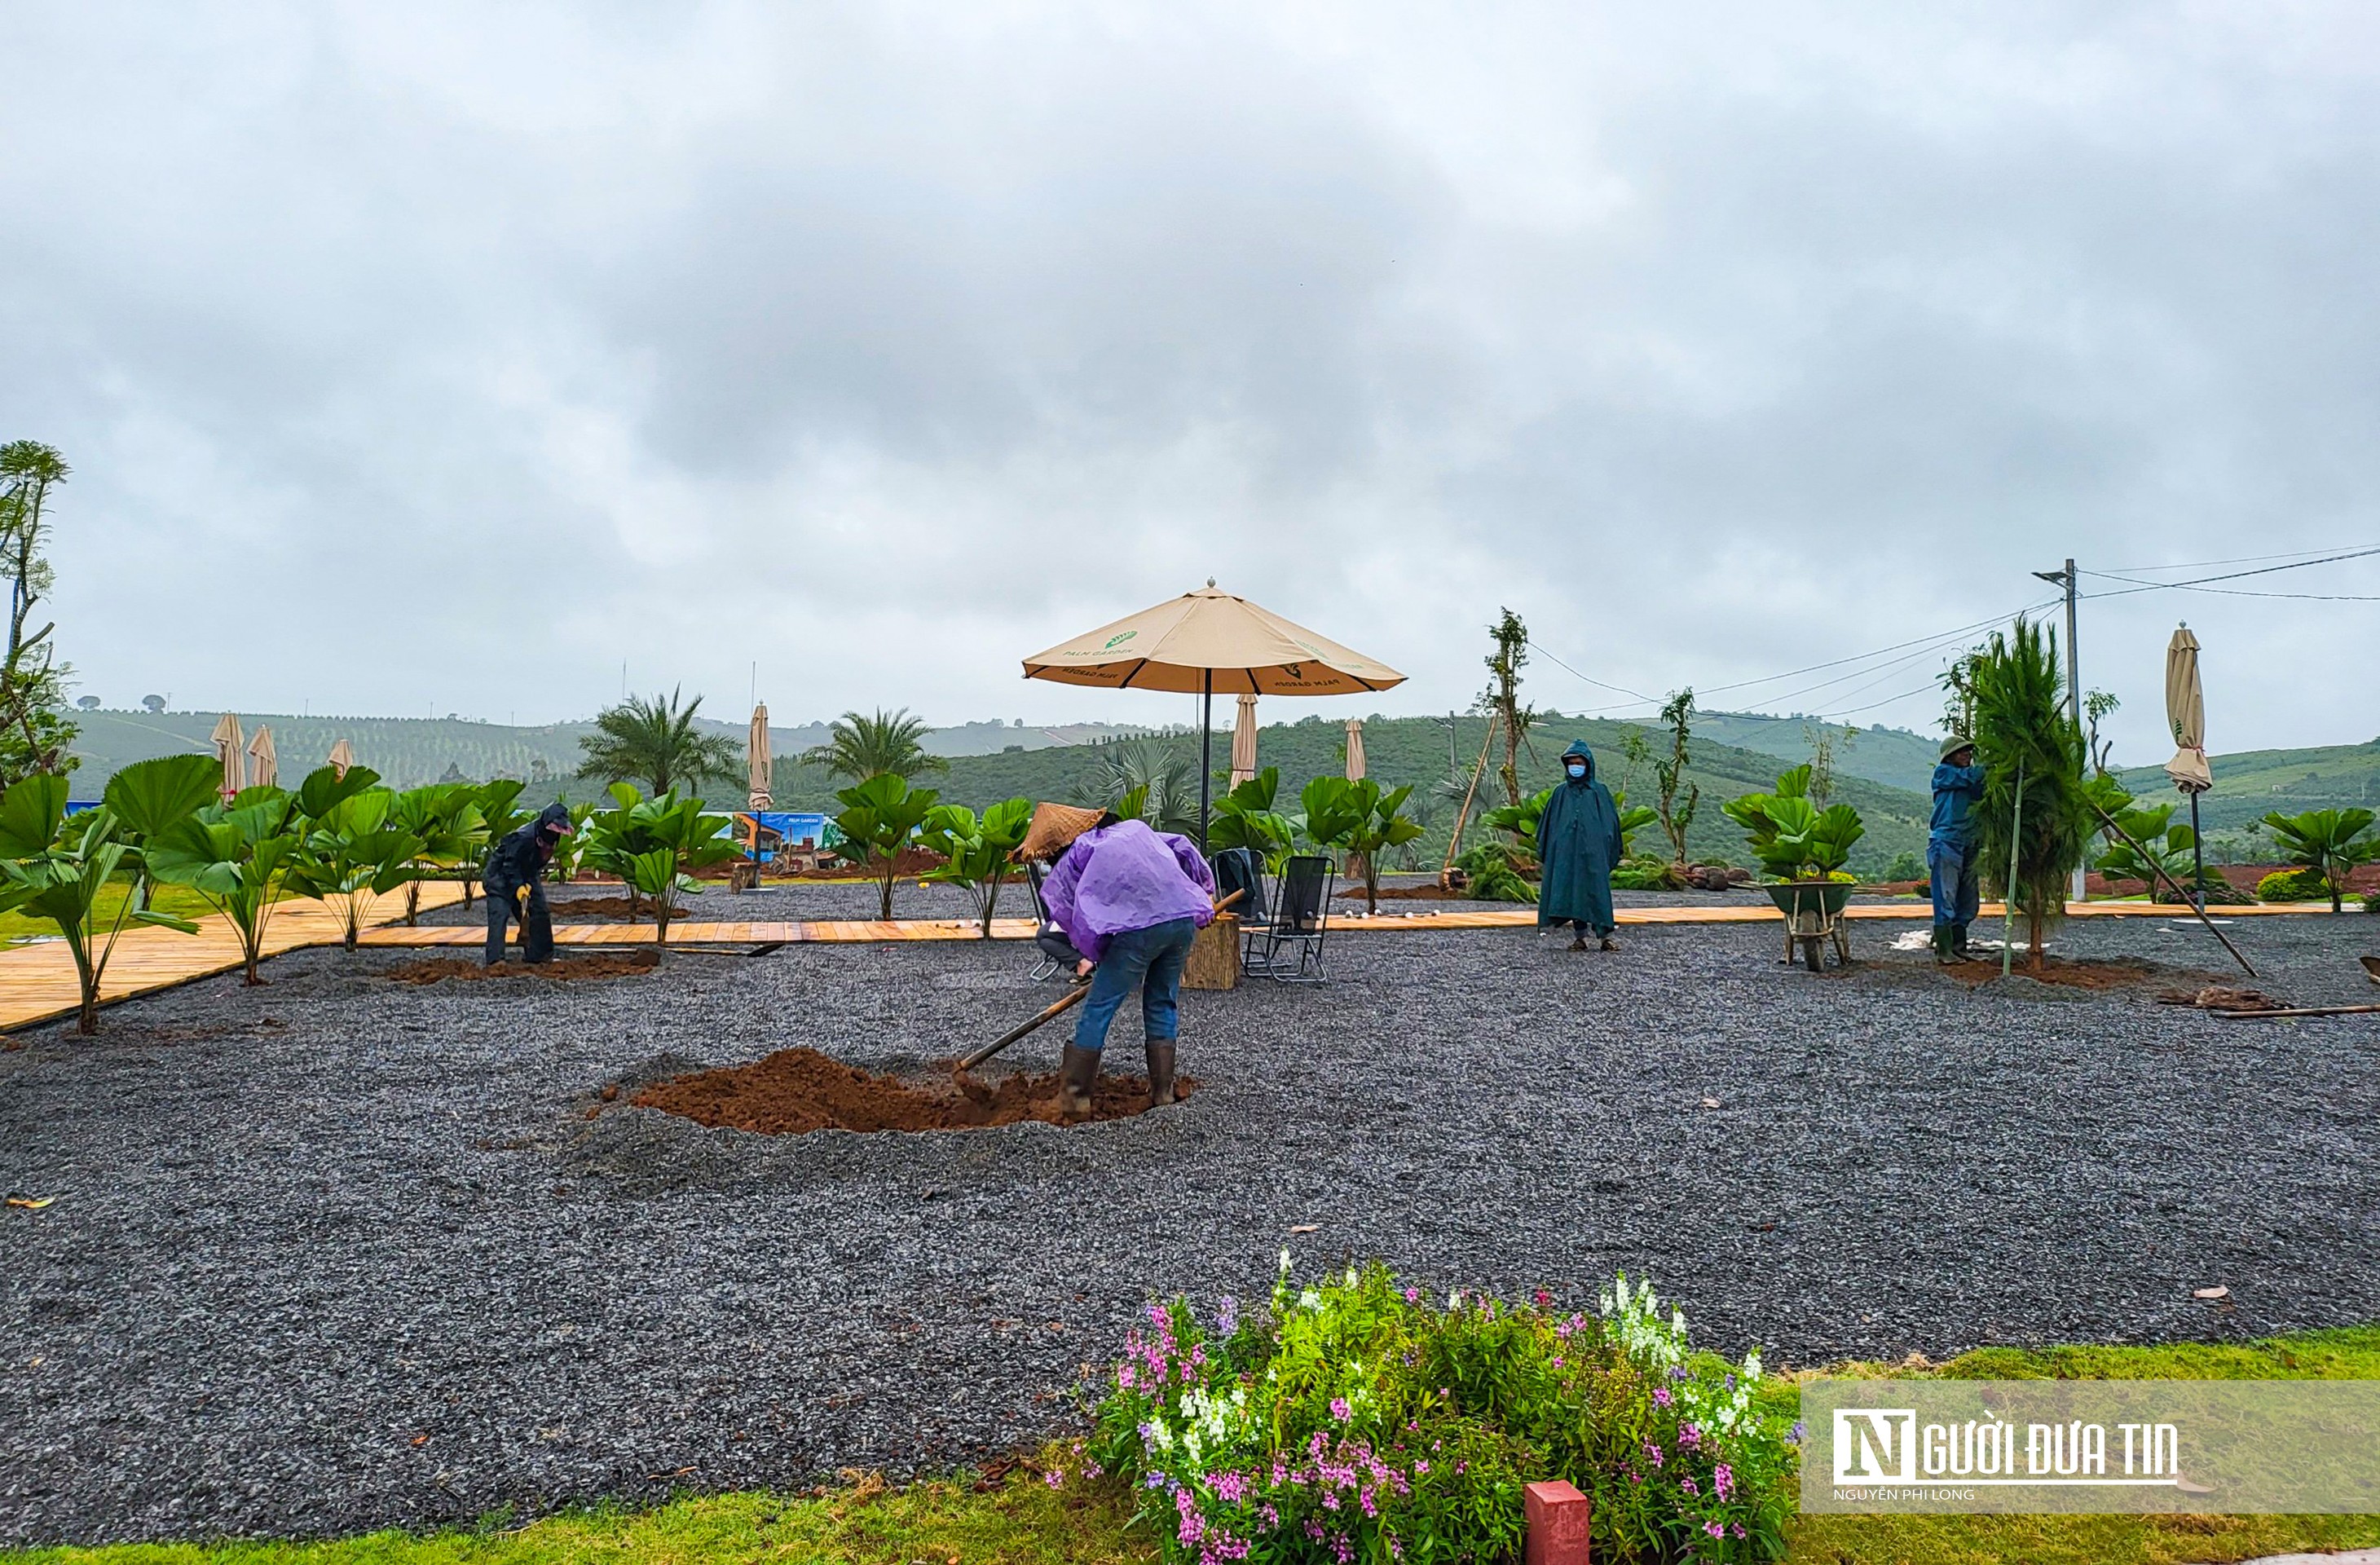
(1951, 868)
(1152, 960)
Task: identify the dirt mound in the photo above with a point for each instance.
(796, 1091)
(561, 970)
(589, 908)
(2092, 973)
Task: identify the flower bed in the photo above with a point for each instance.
(1359, 1421)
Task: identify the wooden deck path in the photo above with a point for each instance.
(37, 982)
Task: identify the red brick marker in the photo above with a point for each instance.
(1557, 1515)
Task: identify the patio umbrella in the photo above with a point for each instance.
(1205, 642)
(756, 758)
(1356, 774)
(2185, 713)
(1244, 742)
(263, 765)
(343, 756)
(231, 747)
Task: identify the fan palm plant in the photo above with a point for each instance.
(1162, 778)
(880, 815)
(2035, 819)
(656, 743)
(57, 867)
(2329, 842)
(860, 748)
(233, 855)
(980, 849)
(350, 852)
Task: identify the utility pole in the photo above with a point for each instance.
(2068, 579)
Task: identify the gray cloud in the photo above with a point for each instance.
(881, 346)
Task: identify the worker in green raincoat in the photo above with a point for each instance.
(1578, 844)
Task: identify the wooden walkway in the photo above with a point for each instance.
(37, 982)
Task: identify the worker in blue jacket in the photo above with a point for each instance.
(1952, 849)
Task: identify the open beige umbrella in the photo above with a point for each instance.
(231, 749)
(263, 764)
(1243, 742)
(756, 758)
(343, 756)
(1205, 642)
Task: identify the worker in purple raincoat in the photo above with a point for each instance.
(1131, 900)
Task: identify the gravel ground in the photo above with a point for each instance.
(338, 1254)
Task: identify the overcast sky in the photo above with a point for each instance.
(426, 358)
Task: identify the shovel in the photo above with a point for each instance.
(1050, 1013)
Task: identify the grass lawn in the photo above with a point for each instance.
(1026, 1521)
(178, 900)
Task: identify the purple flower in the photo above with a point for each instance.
(1661, 1396)
(1799, 1433)
(1338, 1409)
(1688, 1484)
(1227, 1315)
(1714, 1529)
(1054, 1477)
(1413, 1295)
(1722, 1480)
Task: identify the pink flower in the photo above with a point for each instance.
(1714, 1529)
(1543, 1298)
(1660, 1396)
(1054, 1477)
(1654, 1453)
(1688, 1484)
(1338, 1409)
(1722, 1480)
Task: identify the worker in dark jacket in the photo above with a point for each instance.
(515, 881)
(1578, 847)
(1952, 848)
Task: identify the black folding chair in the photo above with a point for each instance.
(1053, 952)
(1301, 919)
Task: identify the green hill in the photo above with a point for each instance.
(1894, 757)
(2253, 782)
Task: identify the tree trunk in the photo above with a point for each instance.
(412, 902)
(87, 1019)
(2032, 957)
(885, 906)
(1371, 888)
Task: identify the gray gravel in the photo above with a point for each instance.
(339, 1254)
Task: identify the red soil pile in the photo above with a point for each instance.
(1408, 893)
(2112, 973)
(586, 909)
(561, 970)
(796, 1091)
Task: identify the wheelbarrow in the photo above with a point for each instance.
(1814, 919)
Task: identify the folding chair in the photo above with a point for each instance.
(1301, 918)
(1053, 952)
(1239, 869)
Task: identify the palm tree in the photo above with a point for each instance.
(1160, 781)
(655, 742)
(861, 748)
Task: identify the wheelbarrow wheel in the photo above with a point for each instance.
(1813, 953)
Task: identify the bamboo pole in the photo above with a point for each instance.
(1454, 840)
(2007, 903)
(2158, 869)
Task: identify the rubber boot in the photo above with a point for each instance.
(1959, 947)
(1160, 1071)
(1078, 1073)
(1942, 945)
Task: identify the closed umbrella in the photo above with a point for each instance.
(1205, 642)
(343, 756)
(756, 758)
(1244, 742)
(263, 765)
(1356, 774)
(2185, 713)
(231, 749)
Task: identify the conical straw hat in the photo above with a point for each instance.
(1054, 829)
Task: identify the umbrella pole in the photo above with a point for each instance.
(1205, 739)
(2197, 857)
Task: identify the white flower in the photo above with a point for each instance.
(1310, 1300)
(1284, 1260)
(1454, 1300)
(1351, 1277)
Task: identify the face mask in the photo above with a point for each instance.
(1576, 769)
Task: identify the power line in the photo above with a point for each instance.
(1616, 689)
(2240, 560)
(2139, 586)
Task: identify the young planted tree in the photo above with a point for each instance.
(859, 748)
(879, 816)
(233, 855)
(2331, 842)
(60, 868)
(1679, 798)
(35, 733)
(657, 744)
(150, 797)
(348, 851)
(1246, 817)
(2098, 706)
(493, 813)
(1502, 700)
(672, 837)
(1379, 825)
(444, 818)
(2036, 814)
(981, 851)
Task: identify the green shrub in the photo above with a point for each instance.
(2372, 902)
(2293, 885)
(1905, 866)
(1356, 1420)
(1647, 872)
